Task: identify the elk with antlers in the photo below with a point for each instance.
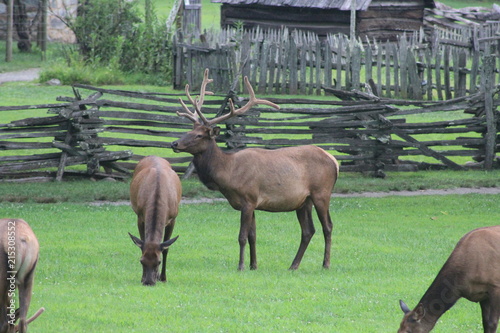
(18, 258)
(285, 179)
(155, 194)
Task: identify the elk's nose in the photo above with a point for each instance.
(174, 144)
(148, 283)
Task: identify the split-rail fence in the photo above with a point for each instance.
(102, 132)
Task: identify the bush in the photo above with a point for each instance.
(76, 70)
(112, 38)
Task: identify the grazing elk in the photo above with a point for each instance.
(286, 179)
(155, 194)
(18, 257)
(472, 271)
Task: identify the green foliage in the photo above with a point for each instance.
(383, 250)
(112, 38)
(148, 50)
(100, 25)
(75, 70)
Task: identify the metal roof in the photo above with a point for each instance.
(323, 4)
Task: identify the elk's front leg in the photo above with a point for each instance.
(25, 290)
(490, 309)
(168, 233)
(252, 240)
(247, 216)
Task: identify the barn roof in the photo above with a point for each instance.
(323, 4)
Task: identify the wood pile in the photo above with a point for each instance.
(466, 15)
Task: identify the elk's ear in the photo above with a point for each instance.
(404, 307)
(215, 131)
(419, 312)
(136, 240)
(166, 244)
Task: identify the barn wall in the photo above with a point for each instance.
(384, 20)
(321, 21)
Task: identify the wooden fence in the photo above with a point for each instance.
(283, 62)
(104, 137)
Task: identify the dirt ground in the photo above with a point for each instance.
(24, 75)
(459, 191)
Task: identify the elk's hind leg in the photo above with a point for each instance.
(322, 205)
(307, 228)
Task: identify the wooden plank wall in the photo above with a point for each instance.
(369, 134)
(280, 62)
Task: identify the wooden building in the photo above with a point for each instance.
(380, 19)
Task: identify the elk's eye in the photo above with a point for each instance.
(199, 136)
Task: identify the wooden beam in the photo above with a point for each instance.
(488, 81)
(429, 152)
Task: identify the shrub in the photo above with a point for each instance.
(112, 37)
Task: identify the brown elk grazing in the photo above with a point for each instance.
(472, 271)
(18, 258)
(155, 194)
(286, 179)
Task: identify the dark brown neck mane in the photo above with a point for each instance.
(205, 164)
(441, 295)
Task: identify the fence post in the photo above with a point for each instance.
(487, 85)
(10, 29)
(43, 30)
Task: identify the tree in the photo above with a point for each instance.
(22, 25)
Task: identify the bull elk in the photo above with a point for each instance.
(472, 271)
(285, 179)
(18, 258)
(155, 194)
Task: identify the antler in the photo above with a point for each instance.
(251, 102)
(233, 112)
(31, 319)
(198, 103)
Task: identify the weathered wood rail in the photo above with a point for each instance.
(439, 67)
(105, 137)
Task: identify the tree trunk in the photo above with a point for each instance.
(21, 22)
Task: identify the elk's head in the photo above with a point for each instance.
(204, 130)
(23, 325)
(413, 320)
(151, 258)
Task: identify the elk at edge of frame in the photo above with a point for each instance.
(19, 255)
(472, 271)
(280, 180)
(155, 194)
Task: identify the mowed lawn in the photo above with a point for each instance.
(384, 249)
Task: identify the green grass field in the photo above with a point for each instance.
(384, 249)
